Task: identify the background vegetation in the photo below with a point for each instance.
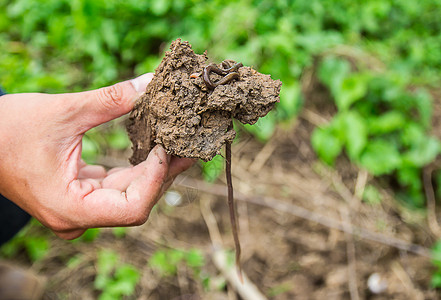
(380, 60)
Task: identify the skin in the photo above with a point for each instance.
(41, 168)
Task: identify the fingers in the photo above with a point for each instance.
(125, 196)
(179, 165)
(91, 171)
(121, 178)
(110, 102)
(120, 206)
(71, 234)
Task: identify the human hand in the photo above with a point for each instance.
(41, 168)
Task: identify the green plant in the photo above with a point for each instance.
(381, 125)
(113, 278)
(166, 261)
(436, 261)
(279, 289)
(213, 168)
(32, 238)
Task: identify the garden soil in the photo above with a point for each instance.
(188, 118)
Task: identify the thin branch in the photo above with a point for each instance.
(431, 207)
(244, 287)
(350, 252)
(306, 214)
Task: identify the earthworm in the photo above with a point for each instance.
(231, 205)
(230, 74)
(226, 78)
(234, 68)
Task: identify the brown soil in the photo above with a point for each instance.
(188, 119)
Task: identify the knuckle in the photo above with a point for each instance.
(139, 218)
(111, 96)
(56, 224)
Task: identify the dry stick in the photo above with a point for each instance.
(431, 207)
(231, 206)
(216, 189)
(350, 251)
(246, 289)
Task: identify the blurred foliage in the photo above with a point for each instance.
(31, 239)
(436, 261)
(166, 261)
(113, 278)
(213, 168)
(382, 126)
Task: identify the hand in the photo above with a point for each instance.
(41, 168)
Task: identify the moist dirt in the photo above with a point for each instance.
(189, 119)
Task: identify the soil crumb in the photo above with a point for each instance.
(189, 119)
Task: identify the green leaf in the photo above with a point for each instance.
(355, 131)
(90, 149)
(118, 139)
(90, 234)
(290, 101)
(160, 7)
(436, 254)
(352, 89)
(388, 122)
(213, 168)
(164, 262)
(423, 101)
(423, 152)
(380, 157)
(413, 134)
(410, 177)
(264, 128)
(371, 195)
(36, 247)
(332, 71)
(74, 261)
(119, 232)
(107, 295)
(101, 281)
(126, 278)
(326, 144)
(194, 258)
(107, 260)
(435, 282)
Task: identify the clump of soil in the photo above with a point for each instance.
(179, 111)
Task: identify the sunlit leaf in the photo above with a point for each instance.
(422, 153)
(380, 157)
(355, 133)
(326, 144)
(388, 122)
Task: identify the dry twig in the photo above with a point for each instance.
(246, 289)
(431, 207)
(306, 214)
(350, 252)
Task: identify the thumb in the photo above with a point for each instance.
(111, 102)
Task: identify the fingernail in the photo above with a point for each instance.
(140, 83)
(162, 155)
